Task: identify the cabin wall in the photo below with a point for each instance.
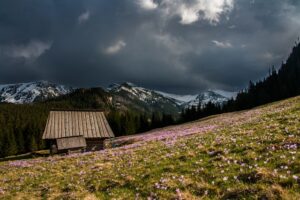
(54, 149)
(92, 144)
(71, 143)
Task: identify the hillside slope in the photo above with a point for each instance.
(250, 154)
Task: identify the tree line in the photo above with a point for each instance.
(129, 123)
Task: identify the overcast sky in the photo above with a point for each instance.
(179, 46)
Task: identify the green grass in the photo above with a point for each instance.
(246, 155)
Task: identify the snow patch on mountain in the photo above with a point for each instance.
(181, 99)
(226, 94)
(206, 97)
(213, 96)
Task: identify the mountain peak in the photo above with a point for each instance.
(129, 84)
(117, 86)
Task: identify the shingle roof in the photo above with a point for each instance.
(89, 124)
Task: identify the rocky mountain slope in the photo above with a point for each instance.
(31, 92)
(153, 97)
(148, 100)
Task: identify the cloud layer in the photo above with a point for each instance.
(171, 45)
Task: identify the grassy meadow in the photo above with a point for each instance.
(244, 155)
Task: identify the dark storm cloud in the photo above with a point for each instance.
(158, 44)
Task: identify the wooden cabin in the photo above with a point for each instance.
(77, 130)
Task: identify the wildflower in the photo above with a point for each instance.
(179, 195)
(286, 130)
(137, 196)
(295, 177)
(20, 163)
(273, 148)
(225, 178)
(157, 185)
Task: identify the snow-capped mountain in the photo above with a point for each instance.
(142, 98)
(163, 99)
(30, 92)
(125, 95)
(140, 93)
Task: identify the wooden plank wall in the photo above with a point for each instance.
(70, 143)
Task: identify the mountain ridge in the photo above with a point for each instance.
(125, 94)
